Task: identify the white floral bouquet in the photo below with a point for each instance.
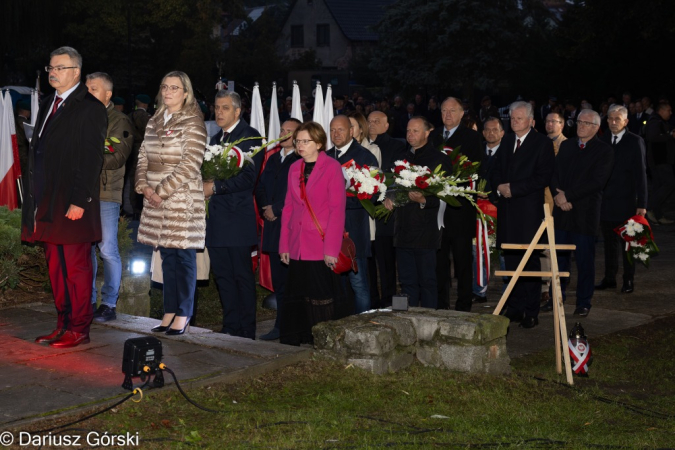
(364, 182)
(639, 239)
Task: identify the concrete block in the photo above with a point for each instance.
(474, 328)
(370, 339)
(426, 325)
(403, 328)
(383, 364)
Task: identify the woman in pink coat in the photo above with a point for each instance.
(314, 293)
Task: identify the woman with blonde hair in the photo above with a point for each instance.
(168, 175)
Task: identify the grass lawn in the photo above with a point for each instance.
(628, 401)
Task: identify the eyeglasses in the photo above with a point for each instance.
(587, 124)
(166, 87)
(302, 141)
(58, 69)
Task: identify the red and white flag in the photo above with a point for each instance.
(10, 170)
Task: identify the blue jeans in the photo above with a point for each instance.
(110, 254)
(359, 282)
(180, 280)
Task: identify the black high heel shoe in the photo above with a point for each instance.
(161, 329)
(174, 332)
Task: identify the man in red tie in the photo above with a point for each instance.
(61, 202)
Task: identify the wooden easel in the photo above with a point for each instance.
(559, 324)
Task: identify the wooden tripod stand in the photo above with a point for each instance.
(559, 324)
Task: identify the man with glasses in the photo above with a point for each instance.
(61, 203)
(624, 196)
(582, 168)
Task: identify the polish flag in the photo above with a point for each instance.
(10, 170)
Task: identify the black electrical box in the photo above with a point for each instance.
(141, 352)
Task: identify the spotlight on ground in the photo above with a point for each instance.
(138, 267)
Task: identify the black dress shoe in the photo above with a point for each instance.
(548, 307)
(627, 287)
(104, 313)
(529, 322)
(513, 315)
(581, 312)
(604, 284)
(176, 332)
(479, 299)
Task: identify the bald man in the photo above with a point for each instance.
(459, 221)
(384, 253)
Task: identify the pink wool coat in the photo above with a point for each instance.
(327, 195)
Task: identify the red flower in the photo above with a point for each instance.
(421, 182)
(375, 189)
(398, 169)
(642, 241)
(466, 164)
(362, 196)
(110, 149)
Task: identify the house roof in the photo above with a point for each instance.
(356, 17)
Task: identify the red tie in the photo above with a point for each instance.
(57, 102)
(517, 145)
(582, 146)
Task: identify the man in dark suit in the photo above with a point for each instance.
(231, 223)
(346, 149)
(624, 196)
(384, 252)
(459, 222)
(523, 169)
(61, 203)
(582, 168)
(493, 132)
(660, 159)
(637, 121)
(417, 237)
(270, 194)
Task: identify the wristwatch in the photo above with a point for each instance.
(422, 205)
(213, 189)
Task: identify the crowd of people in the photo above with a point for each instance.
(591, 168)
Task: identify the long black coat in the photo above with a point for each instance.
(64, 164)
(231, 220)
(581, 174)
(485, 172)
(529, 171)
(356, 219)
(392, 151)
(626, 189)
(416, 227)
(271, 190)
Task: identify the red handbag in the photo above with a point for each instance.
(346, 260)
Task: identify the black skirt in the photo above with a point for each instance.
(313, 294)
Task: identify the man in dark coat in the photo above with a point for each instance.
(582, 168)
(660, 159)
(270, 194)
(523, 169)
(384, 252)
(357, 224)
(459, 222)
(624, 196)
(61, 193)
(417, 236)
(231, 229)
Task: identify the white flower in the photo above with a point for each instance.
(642, 256)
(638, 227)
(208, 156)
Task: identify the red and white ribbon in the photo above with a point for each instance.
(581, 354)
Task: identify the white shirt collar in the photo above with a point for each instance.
(283, 153)
(451, 132)
(522, 139)
(618, 136)
(167, 116)
(343, 150)
(494, 149)
(229, 130)
(63, 97)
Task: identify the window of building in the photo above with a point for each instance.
(297, 36)
(323, 35)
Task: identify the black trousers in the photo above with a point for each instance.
(457, 235)
(416, 273)
(526, 294)
(384, 262)
(279, 274)
(613, 245)
(233, 272)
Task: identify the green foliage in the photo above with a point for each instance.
(14, 257)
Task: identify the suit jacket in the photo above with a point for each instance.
(231, 220)
(626, 189)
(637, 124)
(392, 150)
(416, 227)
(357, 223)
(326, 193)
(64, 165)
(485, 171)
(271, 190)
(581, 174)
(528, 171)
(460, 218)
